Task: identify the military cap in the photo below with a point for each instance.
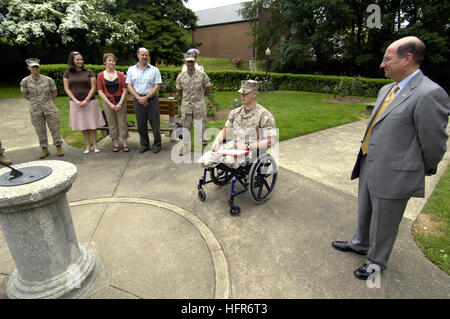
(248, 85)
(32, 62)
(189, 56)
(195, 51)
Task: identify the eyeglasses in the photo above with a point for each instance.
(386, 59)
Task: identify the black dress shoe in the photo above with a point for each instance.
(363, 273)
(143, 149)
(156, 149)
(345, 246)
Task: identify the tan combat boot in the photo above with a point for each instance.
(5, 160)
(59, 150)
(44, 153)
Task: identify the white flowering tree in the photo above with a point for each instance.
(68, 22)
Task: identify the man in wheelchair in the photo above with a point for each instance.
(238, 151)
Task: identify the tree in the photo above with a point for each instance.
(164, 27)
(306, 30)
(65, 24)
(335, 33)
(429, 20)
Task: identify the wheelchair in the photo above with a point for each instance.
(258, 176)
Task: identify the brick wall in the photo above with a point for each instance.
(225, 41)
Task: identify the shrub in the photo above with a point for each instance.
(235, 103)
(231, 80)
(269, 85)
(169, 84)
(212, 105)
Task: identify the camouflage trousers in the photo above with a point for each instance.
(188, 120)
(52, 120)
(212, 159)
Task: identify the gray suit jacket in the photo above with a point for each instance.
(408, 140)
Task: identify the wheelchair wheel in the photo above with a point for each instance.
(235, 210)
(219, 176)
(263, 178)
(201, 195)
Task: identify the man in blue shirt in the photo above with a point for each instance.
(144, 82)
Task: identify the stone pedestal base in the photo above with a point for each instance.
(73, 283)
(38, 228)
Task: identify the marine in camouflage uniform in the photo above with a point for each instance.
(40, 90)
(252, 126)
(193, 85)
(197, 66)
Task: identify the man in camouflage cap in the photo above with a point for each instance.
(197, 66)
(248, 86)
(40, 90)
(192, 86)
(252, 127)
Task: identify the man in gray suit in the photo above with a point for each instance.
(404, 141)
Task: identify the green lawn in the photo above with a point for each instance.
(435, 240)
(299, 113)
(296, 113)
(10, 90)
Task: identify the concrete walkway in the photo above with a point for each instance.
(155, 239)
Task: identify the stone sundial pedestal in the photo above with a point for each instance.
(36, 222)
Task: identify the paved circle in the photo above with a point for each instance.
(222, 282)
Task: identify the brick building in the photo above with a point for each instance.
(224, 33)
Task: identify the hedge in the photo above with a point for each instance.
(231, 80)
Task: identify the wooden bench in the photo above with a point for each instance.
(169, 107)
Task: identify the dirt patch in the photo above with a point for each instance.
(221, 114)
(69, 139)
(346, 99)
(426, 225)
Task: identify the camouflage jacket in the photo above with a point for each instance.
(193, 90)
(248, 128)
(40, 93)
